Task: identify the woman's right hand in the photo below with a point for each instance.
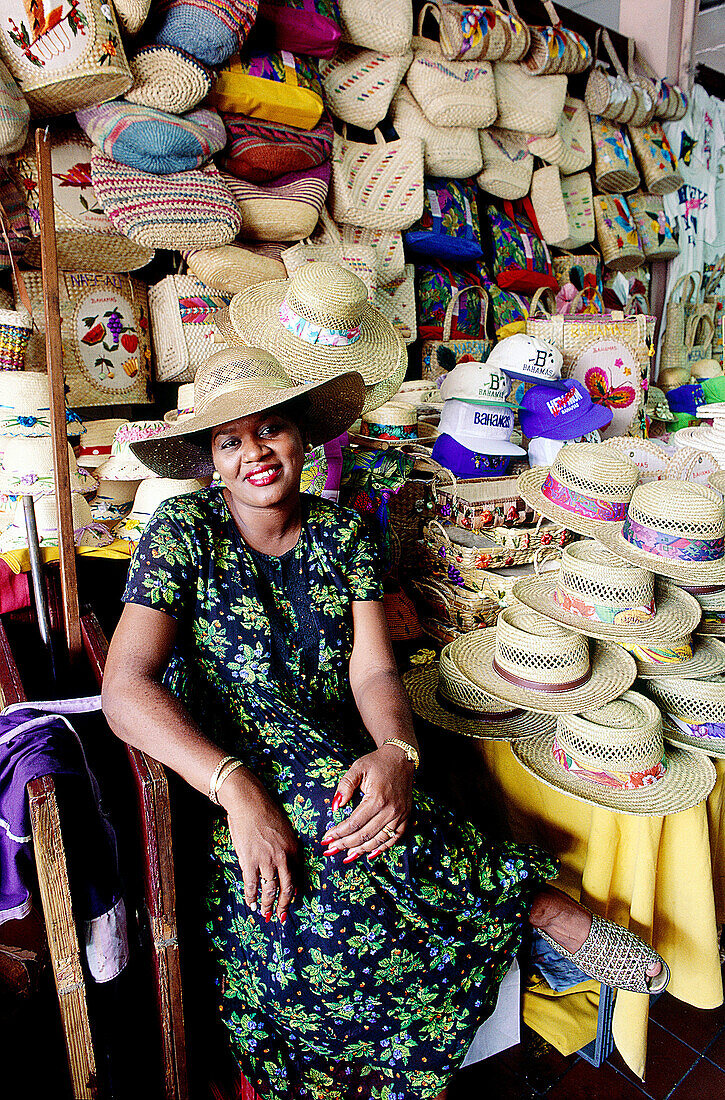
(265, 845)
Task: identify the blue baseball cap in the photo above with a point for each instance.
(561, 410)
(464, 463)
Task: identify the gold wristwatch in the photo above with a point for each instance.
(408, 749)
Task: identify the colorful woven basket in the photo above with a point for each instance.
(15, 328)
(466, 557)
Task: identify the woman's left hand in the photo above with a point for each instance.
(385, 778)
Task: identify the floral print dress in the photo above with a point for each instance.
(376, 984)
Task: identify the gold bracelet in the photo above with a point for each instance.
(215, 778)
(226, 772)
(410, 751)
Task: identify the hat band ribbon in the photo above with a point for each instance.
(534, 685)
(25, 421)
(666, 655)
(471, 712)
(706, 729)
(620, 781)
(675, 546)
(94, 528)
(88, 452)
(389, 431)
(589, 507)
(185, 412)
(316, 334)
(575, 605)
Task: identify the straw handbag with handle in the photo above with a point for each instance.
(359, 84)
(377, 186)
(439, 356)
(529, 104)
(653, 225)
(617, 233)
(452, 151)
(670, 101)
(658, 163)
(482, 32)
(397, 301)
(386, 245)
(507, 163)
(682, 301)
(182, 328)
(563, 207)
(570, 148)
(699, 336)
(385, 26)
(555, 49)
(611, 96)
(645, 89)
(614, 166)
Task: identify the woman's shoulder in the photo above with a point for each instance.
(191, 513)
(325, 518)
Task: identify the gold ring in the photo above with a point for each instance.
(391, 832)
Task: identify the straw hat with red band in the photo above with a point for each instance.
(96, 443)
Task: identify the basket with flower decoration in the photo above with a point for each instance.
(482, 503)
(466, 557)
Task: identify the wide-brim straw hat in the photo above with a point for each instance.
(711, 599)
(717, 481)
(586, 489)
(97, 441)
(623, 737)
(124, 465)
(597, 671)
(27, 468)
(442, 696)
(678, 516)
(184, 405)
(318, 324)
(239, 382)
(688, 657)
(592, 580)
(699, 703)
(380, 392)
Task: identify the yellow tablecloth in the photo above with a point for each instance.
(19, 560)
(658, 876)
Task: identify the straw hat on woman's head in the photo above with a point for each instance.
(238, 382)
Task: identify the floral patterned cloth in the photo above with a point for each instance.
(377, 982)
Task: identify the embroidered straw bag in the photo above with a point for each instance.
(437, 356)
(385, 26)
(645, 89)
(653, 225)
(14, 114)
(15, 329)
(465, 557)
(397, 301)
(570, 148)
(507, 163)
(452, 151)
(671, 101)
(529, 104)
(656, 160)
(377, 186)
(450, 93)
(359, 84)
(183, 334)
(614, 167)
(482, 32)
(555, 49)
(563, 207)
(387, 246)
(66, 58)
(479, 504)
(617, 233)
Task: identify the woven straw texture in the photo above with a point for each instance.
(167, 79)
(557, 50)
(123, 465)
(429, 690)
(563, 207)
(622, 736)
(76, 60)
(359, 259)
(153, 141)
(507, 164)
(27, 467)
(459, 607)
(682, 306)
(259, 151)
(132, 14)
(15, 329)
(380, 392)
(286, 209)
(529, 104)
(226, 333)
(656, 159)
(382, 25)
(14, 114)
(396, 301)
(707, 658)
(184, 210)
(482, 503)
(531, 647)
(387, 246)
(377, 186)
(25, 404)
(86, 239)
(482, 32)
(359, 84)
(182, 327)
(680, 511)
(452, 151)
(614, 166)
(570, 148)
(451, 93)
(15, 536)
(467, 557)
(232, 268)
(617, 233)
(591, 577)
(711, 599)
(610, 94)
(653, 225)
(698, 702)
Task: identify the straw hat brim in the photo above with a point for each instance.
(677, 612)
(380, 392)
(714, 630)
(708, 658)
(612, 672)
(530, 483)
(333, 406)
(690, 572)
(687, 781)
(80, 482)
(375, 354)
(123, 468)
(710, 746)
(421, 685)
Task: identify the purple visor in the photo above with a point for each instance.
(561, 410)
(464, 463)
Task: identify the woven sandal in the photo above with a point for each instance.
(616, 957)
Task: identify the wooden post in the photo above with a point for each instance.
(58, 427)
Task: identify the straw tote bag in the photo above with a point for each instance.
(450, 93)
(671, 101)
(653, 225)
(385, 26)
(452, 151)
(617, 233)
(570, 148)
(614, 166)
(613, 97)
(555, 49)
(507, 164)
(439, 356)
(14, 114)
(377, 186)
(64, 57)
(563, 207)
(184, 337)
(645, 88)
(482, 32)
(387, 246)
(529, 104)
(682, 302)
(656, 160)
(359, 84)
(397, 302)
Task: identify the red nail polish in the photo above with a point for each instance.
(331, 852)
(336, 802)
(351, 858)
(283, 918)
(267, 918)
(374, 854)
(329, 840)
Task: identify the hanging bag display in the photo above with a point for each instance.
(555, 49)
(529, 104)
(614, 168)
(617, 233)
(563, 207)
(671, 101)
(397, 302)
(644, 88)
(386, 246)
(520, 258)
(452, 151)
(377, 186)
(182, 328)
(440, 355)
(507, 164)
(482, 32)
(653, 225)
(385, 26)
(682, 301)
(276, 87)
(359, 84)
(449, 229)
(570, 148)
(610, 95)
(657, 162)
(261, 151)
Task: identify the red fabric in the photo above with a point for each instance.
(14, 589)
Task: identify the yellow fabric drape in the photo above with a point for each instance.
(19, 560)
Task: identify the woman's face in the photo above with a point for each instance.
(259, 458)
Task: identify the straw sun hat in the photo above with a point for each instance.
(123, 465)
(149, 495)
(685, 656)
(693, 711)
(442, 696)
(614, 756)
(528, 660)
(238, 382)
(96, 443)
(27, 467)
(711, 599)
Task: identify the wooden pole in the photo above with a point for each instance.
(58, 427)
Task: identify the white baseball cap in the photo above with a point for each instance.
(543, 451)
(481, 428)
(527, 358)
(476, 383)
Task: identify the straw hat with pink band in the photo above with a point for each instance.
(693, 711)
(587, 488)
(122, 464)
(96, 443)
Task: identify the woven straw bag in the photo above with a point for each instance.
(699, 336)
(563, 207)
(105, 335)
(570, 148)
(167, 79)
(555, 49)
(682, 301)
(397, 302)
(452, 151)
(15, 329)
(590, 264)
(85, 237)
(357, 258)
(387, 246)
(529, 104)
(671, 101)
(433, 363)
(617, 233)
(653, 225)
(69, 59)
(611, 96)
(479, 504)
(453, 605)
(181, 326)
(507, 163)
(14, 114)
(359, 84)
(286, 208)
(232, 267)
(14, 221)
(132, 14)
(482, 32)
(466, 556)
(385, 26)
(645, 89)
(377, 186)
(657, 162)
(614, 167)
(450, 93)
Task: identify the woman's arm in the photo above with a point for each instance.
(384, 776)
(143, 713)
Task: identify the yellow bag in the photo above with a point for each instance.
(276, 87)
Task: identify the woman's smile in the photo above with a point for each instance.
(264, 475)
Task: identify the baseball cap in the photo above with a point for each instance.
(561, 410)
(476, 383)
(466, 463)
(481, 428)
(543, 451)
(527, 358)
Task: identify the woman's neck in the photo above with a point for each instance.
(271, 530)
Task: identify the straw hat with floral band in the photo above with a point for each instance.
(319, 323)
(123, 465)
(693, 712)
(598, 594)
(24, 403)
(27, 467)
(528, 660)
(587, 488)
(614, 756)
(184, 405)
(113, 501)
(239, 382)
(442, 696)
(676, 528)
(686, 656)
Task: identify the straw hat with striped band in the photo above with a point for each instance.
(686, 656)
(239, 382)
(122, 464)
(442, 696)
(711, 598)
(587, 488)
(184, 405)
(693, 711)
(614, 757)
(318, 324)
(96, 443)
(676, 528)
(528, 660)
(598, 594)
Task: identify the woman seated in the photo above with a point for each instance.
(360, 928)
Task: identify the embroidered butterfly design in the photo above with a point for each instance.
(599, 385)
